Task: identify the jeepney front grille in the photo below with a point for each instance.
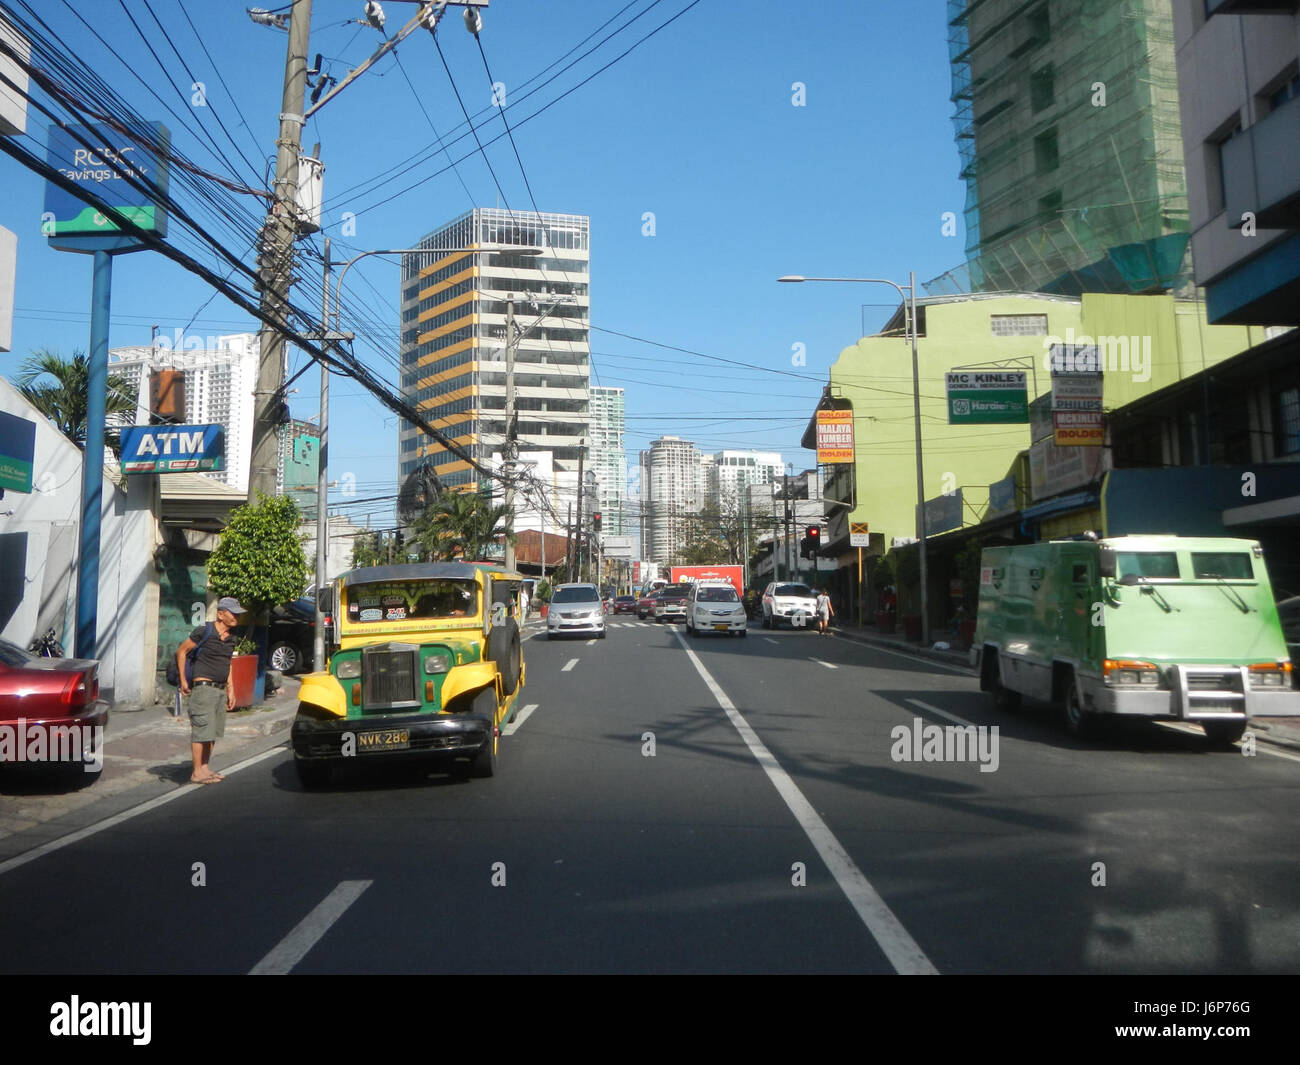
(390, 676)
(1210, 682)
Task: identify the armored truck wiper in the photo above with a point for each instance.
(1130, 579)
(1230, 591)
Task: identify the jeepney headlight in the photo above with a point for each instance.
(436, 664)
(348, 668)
(1149, 676)
(1125, 672)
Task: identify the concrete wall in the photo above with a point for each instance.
(39, 536)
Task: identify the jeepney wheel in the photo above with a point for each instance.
(1223, 733)
(1078, 721)
(311, 775)
(485, 762)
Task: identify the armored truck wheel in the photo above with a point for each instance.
(1223, 733)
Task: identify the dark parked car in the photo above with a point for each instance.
(50, 709)
(290, 642)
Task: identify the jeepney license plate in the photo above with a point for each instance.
(387, 740)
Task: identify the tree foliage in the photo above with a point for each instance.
(720, 534)
(260, 560)
(459, 525)
(60, 389)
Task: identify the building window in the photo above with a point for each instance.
(1047, 156)
(1288, 89)
(1042, 89)
(1018, 325)
(1049, 206)
(1286, 421)
(1215, 195)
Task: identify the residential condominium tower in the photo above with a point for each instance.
(454, 340)
(1067, 122)
(608, 459)
(672, 487)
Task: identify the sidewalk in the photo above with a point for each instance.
(1281, 731)
(146, 754)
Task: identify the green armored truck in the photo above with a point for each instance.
(1160, 627)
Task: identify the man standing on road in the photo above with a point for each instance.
(210, 694)
(523, 603)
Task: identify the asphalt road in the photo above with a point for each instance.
(667, 804)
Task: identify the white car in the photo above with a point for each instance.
(792, 604)
(715, 608)
(576, 609)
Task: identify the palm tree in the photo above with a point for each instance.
(65, 399)
(459, 524)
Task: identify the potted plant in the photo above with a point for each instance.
(544, 596)
(243, 671)
(260, 562)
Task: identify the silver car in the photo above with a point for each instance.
(576, 609)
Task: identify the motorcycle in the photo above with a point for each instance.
(47, 646)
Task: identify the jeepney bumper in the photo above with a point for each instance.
(430, 737)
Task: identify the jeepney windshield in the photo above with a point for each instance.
(1230, 565)
(412, 601)
(1154, 565)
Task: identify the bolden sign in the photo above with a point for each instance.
(834, 436)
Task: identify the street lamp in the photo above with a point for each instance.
(328, 337)
(908, 296)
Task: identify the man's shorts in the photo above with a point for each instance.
(207, 709)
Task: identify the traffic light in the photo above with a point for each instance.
(810, 546)
(595, 521)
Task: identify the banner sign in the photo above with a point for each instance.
(17, 452)
(173, 448)
(1002, 497)
(1077, 392)
(109, 169)
(834, 437)
(943, 513)
(733, 575)
(859, 535)
(984, 397)
(619, 547)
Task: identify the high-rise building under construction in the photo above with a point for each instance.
(1067, 124)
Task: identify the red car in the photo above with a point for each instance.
(646, 605)
(625, 604)
(50, 710)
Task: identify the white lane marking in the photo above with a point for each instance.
(591, 642)
(899, 947)
(769, 639)
(826, 664)
(568, 665)
(520, 718)
(1262, 745)
(942, 713)
(910, 658)
(294, 947)
(126, 815)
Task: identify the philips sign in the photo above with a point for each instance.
(173, 448)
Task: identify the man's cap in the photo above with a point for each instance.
(232, 604)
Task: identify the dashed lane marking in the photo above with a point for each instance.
(568, 665)
(520, 718)
(826, 664)
(294, 947)
(899, 947)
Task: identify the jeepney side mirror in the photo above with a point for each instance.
(1130, 580)
(1106, 565)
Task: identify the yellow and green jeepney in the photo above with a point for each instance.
(424, 665)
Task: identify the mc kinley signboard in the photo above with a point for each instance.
(982, 397)
(173, 448)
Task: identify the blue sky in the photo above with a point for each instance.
(696, 125)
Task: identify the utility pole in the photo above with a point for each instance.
(276, 260)
(793, 566)
(322, 473)
(568, 553)
(582, 452)
(511, 444)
